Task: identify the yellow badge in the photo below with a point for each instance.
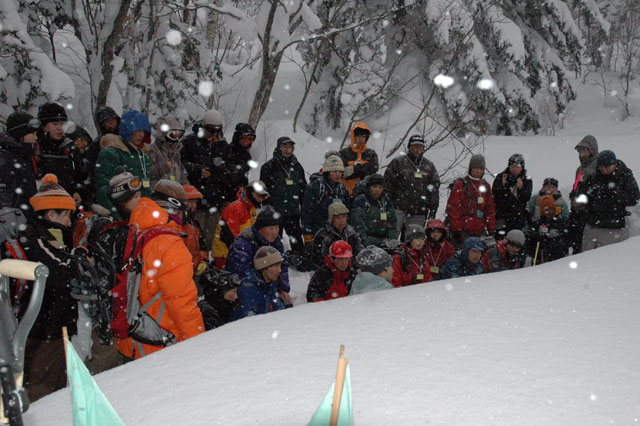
(419, 276)
(383, 216)
(146, 183)
(289, 182)
(480, 200)
(418, 175)
(434, 269)
(172, 177)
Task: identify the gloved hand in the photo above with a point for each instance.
(201, 268)
(348, 172)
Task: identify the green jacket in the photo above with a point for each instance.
(118, 153)
(375, 220)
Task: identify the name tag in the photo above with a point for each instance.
(417, 175)
(289, 182)
(338, 200)
(480, 200)
(146, 183)
(419, 276)
(434, 270)
(383, 216)
(172, 177)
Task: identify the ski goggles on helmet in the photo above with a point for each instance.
(174, 135)
(32, 124)
(213, 129)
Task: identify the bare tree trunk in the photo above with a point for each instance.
(108, 53)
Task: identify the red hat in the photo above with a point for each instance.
(340, 249)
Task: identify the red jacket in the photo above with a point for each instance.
(410, 267)
(167, 268)
(240, 214)
(438, 254)
(470, 207)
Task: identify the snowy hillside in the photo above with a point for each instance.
(557, 344)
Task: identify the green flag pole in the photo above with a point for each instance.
(337, 393)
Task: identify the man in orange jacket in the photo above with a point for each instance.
(166, 269)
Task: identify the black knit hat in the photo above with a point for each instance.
(52, 112)
(267, 217)
(105, 113)
(516, 159)
(607, 158)
(550, 181)
(20, 124)
(375, 179)
(416, 140)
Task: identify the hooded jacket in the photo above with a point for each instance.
(364, 160)
(59, 157)
(459, 266)
(534, 208)
(318, 196)
(585, 170)
(285, 181)
(411, 267)
(438, 252)
(17, 173)
(609, 196)
(120, 153)
(329, 283)
(240, 214)
(497, 258)
(243, 249)
(167, 269)
(255, 296)
(328, 235)
(470, 207)
(413, 184)
(238, 165)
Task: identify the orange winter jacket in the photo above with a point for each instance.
(240, 214)
(364, 160)
(167, 268)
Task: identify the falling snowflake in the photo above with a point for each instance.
(275, 334)
(329, 139)
(482, 188)
(287, 87)
(157, 263)
(286, 112)
(449, 287)
(573, 264)
(164, 127)
(205, 88)
(252, 163)
(582, 199)
(173, 37)
(155, 214)
(385, 23)
(443, 81)
(65, 45)
(485, 84)
(377, 135)
(614, 93)
(258, 187)
(69, 106)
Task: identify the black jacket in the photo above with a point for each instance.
(609, 196)
(197, 153)
(413, 185)
(322, 280)
(17, 179)
(511, 203)
(61, 158)
(285, 181)
(238, 166)
(328, 235)
(58, 309)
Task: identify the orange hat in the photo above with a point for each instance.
(192, 192)
(51, 196)
(548, 201)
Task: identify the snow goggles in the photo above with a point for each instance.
(213, 129)
(133, 185)
(34, 124)
(174, 135)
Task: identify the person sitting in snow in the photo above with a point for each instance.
(549, 187)
(375, 268)
(466, 262)
(259, 291)
(264, 232)
(411, 266)
(334, 278)
(508, 253)
(373, 214)
(336, 228)
(359, 160)
(547, 239)
(438, 249)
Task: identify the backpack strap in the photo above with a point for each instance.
(16, 251)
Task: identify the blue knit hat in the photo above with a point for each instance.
(473, 243)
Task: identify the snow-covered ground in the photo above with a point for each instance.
(556, 344)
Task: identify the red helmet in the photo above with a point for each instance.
(340, 249)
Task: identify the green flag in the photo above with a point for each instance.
(323, 413)
(90, 406)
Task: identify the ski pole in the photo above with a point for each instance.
(535, 257)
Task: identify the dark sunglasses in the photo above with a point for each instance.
(213, 129)
(34, 124)
(175, 135)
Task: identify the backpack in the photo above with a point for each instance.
(12, 221)
(86, 224)
(112, 301)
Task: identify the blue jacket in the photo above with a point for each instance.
(457, 266)
(318, 196)
(240, 259)
(256, 296)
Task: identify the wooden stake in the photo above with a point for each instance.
(65, 339)
(337, 391)
(535, 257)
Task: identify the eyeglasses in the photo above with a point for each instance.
(33, 123)
(174, 135)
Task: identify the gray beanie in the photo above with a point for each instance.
(265, 257)
(477, 162)
(373, 259)
(516, 237)
(333, 163)
(337, 209)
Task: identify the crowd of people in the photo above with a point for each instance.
(214, 248)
